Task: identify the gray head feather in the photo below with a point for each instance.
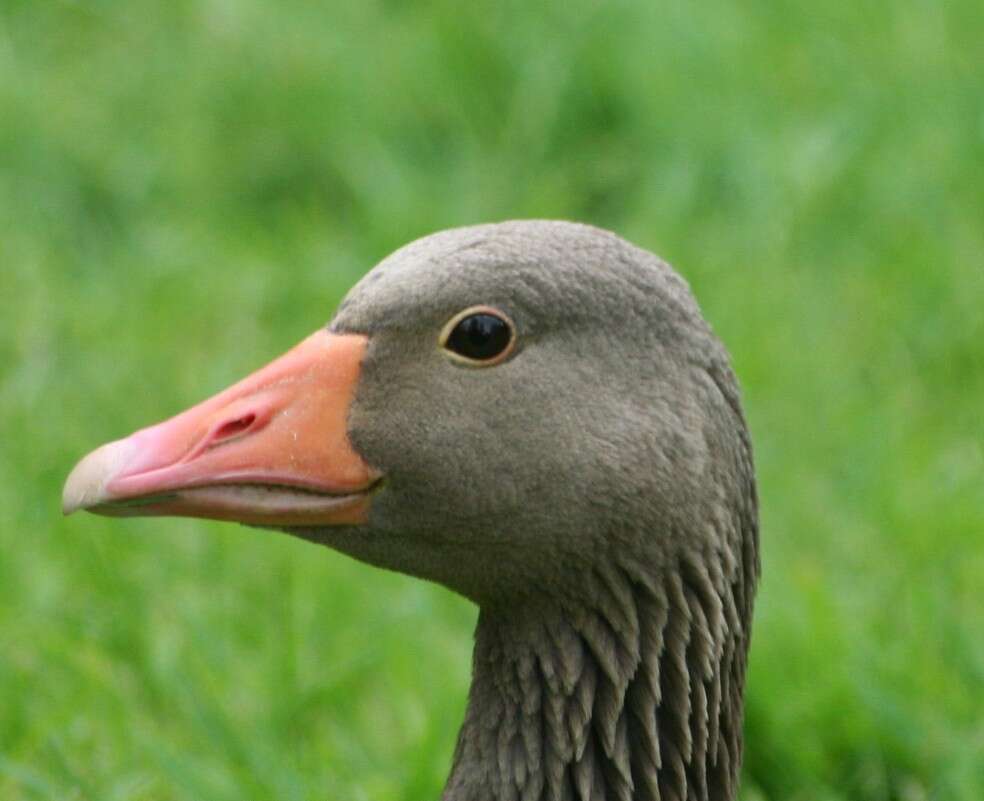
(594, 494)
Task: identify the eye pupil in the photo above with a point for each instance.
(480, 336)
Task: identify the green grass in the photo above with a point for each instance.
(187, 188)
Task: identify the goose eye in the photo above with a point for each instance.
(480, 335)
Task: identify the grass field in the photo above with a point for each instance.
(187, 188)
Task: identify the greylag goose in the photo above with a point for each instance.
(536, 415)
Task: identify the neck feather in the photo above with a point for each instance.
(631, 692)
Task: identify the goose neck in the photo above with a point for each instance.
(631, 692)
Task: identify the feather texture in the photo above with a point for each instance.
(633, 695)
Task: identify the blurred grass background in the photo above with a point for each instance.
(188, 187)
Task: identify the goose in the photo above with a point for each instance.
(536, 415)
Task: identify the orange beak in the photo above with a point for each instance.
(271, 450)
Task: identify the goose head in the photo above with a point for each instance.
(536, 415)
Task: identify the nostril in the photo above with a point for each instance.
(233, 428)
